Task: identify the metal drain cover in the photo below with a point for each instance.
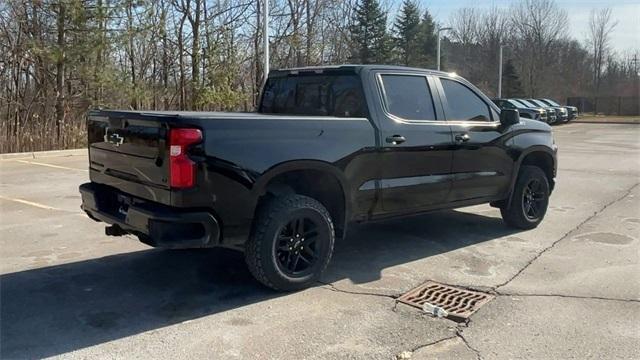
(459, 303)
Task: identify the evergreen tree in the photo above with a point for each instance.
(428, 40)
(369, 34)
(407, 32)
(512, 87)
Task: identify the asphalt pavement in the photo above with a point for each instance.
(568, 289)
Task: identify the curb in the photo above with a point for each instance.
(43, 154)
(618, 122)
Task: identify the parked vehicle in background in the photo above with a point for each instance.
(551, 112)
(328, 146)
(571, 110)
(526, 112)
(562, 115)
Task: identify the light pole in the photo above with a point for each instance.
(265, 32)
(438, 55)
(500, 73)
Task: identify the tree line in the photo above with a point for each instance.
(60, 58)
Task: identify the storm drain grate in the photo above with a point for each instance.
(458, 303)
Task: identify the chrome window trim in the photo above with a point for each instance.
(492, 122)
(383, 97)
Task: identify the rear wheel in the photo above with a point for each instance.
(529, 200)
(291, 243)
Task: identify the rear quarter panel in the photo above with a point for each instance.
(240, 155)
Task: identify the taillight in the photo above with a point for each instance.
(182, 171)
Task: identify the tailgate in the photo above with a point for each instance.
(129, 153)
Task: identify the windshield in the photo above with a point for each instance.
(516, 104)
(551, 102)
(538, 103)
(527, 104)
(314, 94)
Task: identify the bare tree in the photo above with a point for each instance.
(601, 25)
(60, 62)
(60, 58)
(538, 25)
(464, 22)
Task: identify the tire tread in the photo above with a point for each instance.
(511, 213)
(271, 211)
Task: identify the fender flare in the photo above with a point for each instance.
(523, 155)
(261, 183)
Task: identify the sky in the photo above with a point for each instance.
(625, 37)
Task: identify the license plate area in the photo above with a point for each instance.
(114, 203)
(123, 202)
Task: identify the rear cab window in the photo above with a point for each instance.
(337, 95)
(463, 103)
(407, 97)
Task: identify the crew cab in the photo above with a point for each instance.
(327, 147)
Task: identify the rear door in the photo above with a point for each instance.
(481, 165)
(415, 141)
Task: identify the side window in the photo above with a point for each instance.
(348, 99)
(464, 104)
(408, 97)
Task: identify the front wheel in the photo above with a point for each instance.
(291, 243)
(529, 200)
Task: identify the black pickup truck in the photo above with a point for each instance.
(327, 147)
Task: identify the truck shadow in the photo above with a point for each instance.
(54, 310)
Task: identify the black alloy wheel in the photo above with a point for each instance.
(533, 199)
(528, 203)
(296, 246)
(291, 242)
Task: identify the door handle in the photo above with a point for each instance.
(396, 139)
(462, 137)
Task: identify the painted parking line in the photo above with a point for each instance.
(49, 165)
(31, 203)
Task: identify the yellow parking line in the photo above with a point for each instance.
(41, 206)
(49, 165)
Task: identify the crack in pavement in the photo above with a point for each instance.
(568, 296)
(566, 235)
(332, 287)
(466, 343)
(494, 289)
(432, 343)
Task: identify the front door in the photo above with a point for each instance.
(481, 165)
(416, 144)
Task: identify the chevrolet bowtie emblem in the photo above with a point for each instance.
(113, 138)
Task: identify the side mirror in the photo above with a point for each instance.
(509, 117)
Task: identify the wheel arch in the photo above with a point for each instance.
(541, 156)
(317, 179)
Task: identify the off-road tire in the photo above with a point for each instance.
(260, 253)
(514, 213)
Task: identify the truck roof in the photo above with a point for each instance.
(353, 68)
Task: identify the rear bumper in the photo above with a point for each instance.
(154, 224)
